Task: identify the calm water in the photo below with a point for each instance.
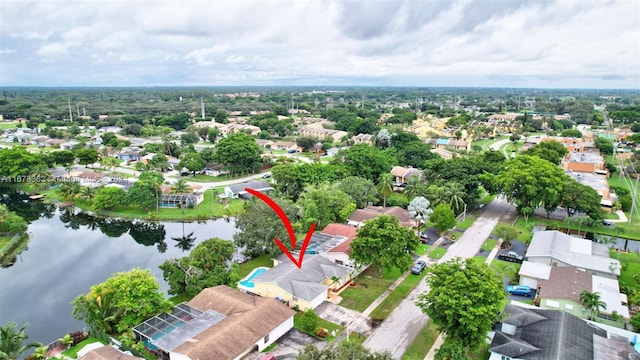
(70, 251)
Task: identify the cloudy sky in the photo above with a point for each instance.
(506, 43)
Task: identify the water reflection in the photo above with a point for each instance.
(70, 250)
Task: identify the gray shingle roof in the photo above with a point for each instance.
(555, 335)
(305, 282)
(581, 253)
(253, 184)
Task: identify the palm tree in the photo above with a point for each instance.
(185, 242)
(11, 341)
(87, 193)
(455, 191)
(420, 210)
(181, 187)
(385, 187)
(591, 300)
(412, 187)
(69, 189)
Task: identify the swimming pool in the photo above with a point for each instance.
(246, 282)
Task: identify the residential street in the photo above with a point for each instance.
(397, 332)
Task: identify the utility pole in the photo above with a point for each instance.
(202, 108)
(70, 113)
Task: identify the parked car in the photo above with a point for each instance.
(511, 256)
(522, 290)
(424, 237)
(266, 176)
(268, 357)
(418, 267)
(480, 206)
(608, 223)
(292, 151)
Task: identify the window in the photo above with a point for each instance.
(266, 339)
(294, 299)
(505, 358)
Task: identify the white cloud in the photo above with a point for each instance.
(7, 51)
(286, 41)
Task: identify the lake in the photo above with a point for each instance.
(69, 251)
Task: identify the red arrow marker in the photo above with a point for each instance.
(287, 224)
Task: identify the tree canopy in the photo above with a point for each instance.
(324, 204)
(238, 153)
(464, 300)
(344, 350)
(552, 151)
(382, 242)
(206, 266)
(365, 161)
(443, 217)
(362, 191)
(123, 301)
(12, 341)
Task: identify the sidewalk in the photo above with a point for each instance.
(387, 292)
(622, 217)
(436, 345)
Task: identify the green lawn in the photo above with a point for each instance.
(397, 295)
(177, 299)
(422, 249)
(3, 241)
(506, 268)
(630, 267)
(469, 219)
(422, 343)
(437, 253)
(202, 211)
(246, 267)
(72, 352)
(368, 288)
(321, 324)
(489, 244)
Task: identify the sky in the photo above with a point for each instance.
(483, 43)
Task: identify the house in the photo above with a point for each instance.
(401, 175)
(215, 170)
(317, 130)
(541, 334)
(371, 212)
(104, 352)
(283, 145)
(554, 248)
(586, 162)
(220, 323)
(597, 182)
(306, 287)
(340, 254)
(264, 143)
(129, 153)
(238, 190)
(41, 140)
(69, 145)
(54, 143)
(445, 154)
(363, 139)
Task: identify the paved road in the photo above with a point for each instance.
(498, 144)
(398, 331)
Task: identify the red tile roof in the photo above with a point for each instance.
(340, 230)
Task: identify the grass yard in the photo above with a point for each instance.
(177, 299)
(420, 250)
(321, 324)
(72, 352)
(506, 268)
(3, 241)
(525, 234)
(246, 267)
(422, 343)
(467, 222)
(630, 267)
(489, 244)
(368, 288)
(202, 211)
(437, 253)
(397, 295)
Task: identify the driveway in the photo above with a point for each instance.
(398, 331)
(289, 346)
(343, 317)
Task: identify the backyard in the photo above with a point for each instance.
(630, 268)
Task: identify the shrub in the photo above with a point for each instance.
(309, 320)
(322, 333)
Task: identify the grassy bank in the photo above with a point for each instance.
(422, 343)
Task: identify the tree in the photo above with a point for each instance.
(506, 233)
(382, 242)
(413, 186)
(309, 320)
(385, 187)
(12, 341)
(181, 187)
(344, 350)
(604, 145)
(451, 349)
(259, 225)
(10, 222)
(109, 197)
(464, 300)
(324, 204)
(209, 264)
(443, 217)
(17, 162)
(64, 157)
(87, 156)
(593, 302)
(365, 161)
(212, 134)
(192, 162)
(306, 142)
(97, 309)
(635, 321)
(238, 153)
(420, 211)
(552, 151)
(291, 179)
(578, 197)
(135, 296)
(109, 162)
(69, 189)
(221, 117)
(362, 191)
(87, 193)
(529, 181)
(153, 181)
(574, 133)
(159, 162)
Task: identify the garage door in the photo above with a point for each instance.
(532, 283)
